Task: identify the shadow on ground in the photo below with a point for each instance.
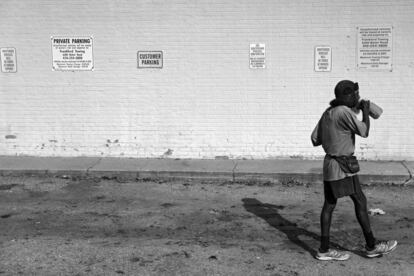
(270, 213)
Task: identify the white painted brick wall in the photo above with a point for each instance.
(205, 102)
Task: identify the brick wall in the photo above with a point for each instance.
(205, 101)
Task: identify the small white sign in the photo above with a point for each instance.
(72, 53)
(8, 60)
(374, 51)
(150, 59)
(257, 56)
(323, 59)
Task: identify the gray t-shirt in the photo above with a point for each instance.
(336, 131)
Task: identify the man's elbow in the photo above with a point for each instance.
(316, 143)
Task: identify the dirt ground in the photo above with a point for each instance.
(94, 226)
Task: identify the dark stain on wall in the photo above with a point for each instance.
(168, 152)
(10, 136)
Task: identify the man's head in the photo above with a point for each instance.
(347, 92)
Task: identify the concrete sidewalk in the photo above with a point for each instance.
(308, 171)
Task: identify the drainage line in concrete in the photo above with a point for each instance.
(93, 165)
(234, 172)
(410, 179)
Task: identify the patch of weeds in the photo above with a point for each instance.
(249, 182)
(152, 179)
(8, 186)
(290, 182)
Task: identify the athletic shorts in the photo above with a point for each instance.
(340, 188)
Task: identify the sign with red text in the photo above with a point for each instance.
(72, 53)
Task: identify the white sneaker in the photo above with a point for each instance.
(332, 255)
(381, 248)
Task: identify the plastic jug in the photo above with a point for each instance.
(374, 110)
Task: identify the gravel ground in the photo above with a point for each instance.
(93, 226)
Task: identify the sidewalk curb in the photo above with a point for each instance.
(277, 178)
(282, 171)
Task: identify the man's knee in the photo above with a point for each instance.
(329, 206)
(359, 199)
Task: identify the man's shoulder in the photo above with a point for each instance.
(342, 110)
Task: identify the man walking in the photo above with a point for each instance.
(336, 131)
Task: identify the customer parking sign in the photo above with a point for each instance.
(150, 59)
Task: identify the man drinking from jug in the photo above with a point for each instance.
(336, 131)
